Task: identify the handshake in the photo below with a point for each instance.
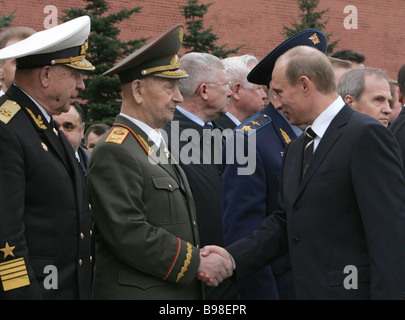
(215, 265)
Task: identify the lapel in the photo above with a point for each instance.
(148, 146)
(329, 139)
(40, 124)
(59, 143)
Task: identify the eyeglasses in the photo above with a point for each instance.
(226, 85)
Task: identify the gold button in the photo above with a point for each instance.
(265, 115)
(80, 262)
(170, 186)
(91, 233)
(81, 235)
(91, 258)
(89, 206)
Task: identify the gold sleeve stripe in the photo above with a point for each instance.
(176, 256)
(186, 262)
(13, 274)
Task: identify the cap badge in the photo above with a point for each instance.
(175, 61)
(84, 47)
(314, 38)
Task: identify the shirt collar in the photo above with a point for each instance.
(233, 118)
(153, 134)
(192, 116)
(323, 121)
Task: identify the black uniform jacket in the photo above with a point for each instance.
(44, 214)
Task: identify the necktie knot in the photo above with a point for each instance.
(308, 149)
(208, 126)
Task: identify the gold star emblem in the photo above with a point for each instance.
(8, 251)
(247, 128)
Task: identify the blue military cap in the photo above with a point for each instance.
(262, 72)
(158, 59)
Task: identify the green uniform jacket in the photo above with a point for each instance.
(145, 222)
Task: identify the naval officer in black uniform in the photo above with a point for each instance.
(45, 223)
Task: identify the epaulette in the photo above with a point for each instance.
(117, 135)
(255, 123)
(8, 110)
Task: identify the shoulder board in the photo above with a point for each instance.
(117, 135)
(8, 110)
(255, 123)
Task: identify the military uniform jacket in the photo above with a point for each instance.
(249, 198)
(44, 213)
(348, 211)
(145, 223)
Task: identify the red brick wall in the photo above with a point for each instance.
(256, 24)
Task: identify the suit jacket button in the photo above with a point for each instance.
(80, 262)
(81, 235)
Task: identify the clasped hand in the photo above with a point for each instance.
(215, 265)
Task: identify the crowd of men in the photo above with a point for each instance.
(232, 179)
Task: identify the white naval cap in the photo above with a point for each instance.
(64, 44)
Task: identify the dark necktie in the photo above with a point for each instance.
(208, 126)
(308, 149)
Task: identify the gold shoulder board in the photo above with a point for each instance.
(117, 135)
(8, 110)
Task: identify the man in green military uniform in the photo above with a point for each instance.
(147, 244)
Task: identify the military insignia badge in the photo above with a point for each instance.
(285, 136)
(314, 38)
(255, 123)
(38, 120)
(8, 110)
(13, 273)
(117, 135)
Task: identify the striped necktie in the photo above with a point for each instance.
(308, 149)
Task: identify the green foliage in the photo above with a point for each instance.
(196, 38)
(102, 99)
(5, 21)
(310, 19)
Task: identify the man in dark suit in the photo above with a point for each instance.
(247, 98)
(398, 126)
(267, 133)
(341, 217)
(45, 223)
(72, 124)
(147, 242)
(199, 150)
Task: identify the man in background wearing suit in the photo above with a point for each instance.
(205, 93)
(247, 98)
(72, 124)
(341, 217)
